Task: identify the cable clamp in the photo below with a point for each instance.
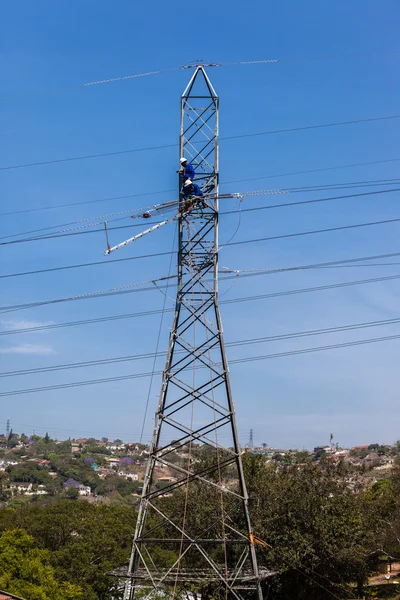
(238, 196)
(228, 270)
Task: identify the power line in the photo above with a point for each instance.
(90, 433)
(314, 201)
(135, 287)
(306, 58)
(242, 210)
(91, 264)
(102, 293)
(118, 79)
(91, 83)
(316, 188)
(86, 157)
(27, 210)
(344, 185)
(386, 338)
(81, 223)
(360, 164)
(163, 311)
(37, 329)
(164, 146)
(235, 361)
(246, 342)
(51, 429)
(245, 135)
(126, 289)
(112, 199)
(314, 231)
(131, 213)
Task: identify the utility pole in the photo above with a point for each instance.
(195, 532)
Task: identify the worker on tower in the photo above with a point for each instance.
(186, 170)
(191, 189)
(192, 196)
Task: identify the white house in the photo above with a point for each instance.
(133, 476)
(7, 463)
(84, 490)
(21, 487)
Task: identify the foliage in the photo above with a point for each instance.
(29, 472)
(113, 483)
(72, 493)
(316, 528)
(359, 452)
(380, 449)
(12, 440)
(94, 448)
(126, 461)
(26, 570)
(326, 523)
(302, 456)
(71, 468)
(84, 542)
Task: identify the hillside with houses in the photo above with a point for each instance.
(84, 468)
(113, 471)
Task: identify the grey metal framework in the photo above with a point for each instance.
(194, 532)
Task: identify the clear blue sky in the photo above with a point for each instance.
(293, 402)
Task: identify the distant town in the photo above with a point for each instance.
(101, 470)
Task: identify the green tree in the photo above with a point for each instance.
(12, 440)
(277, 457)
(302, 456)
(359, 452)
(26, 570)
(29, 472)
(63, 448)
(72, 493)
(381, 507)
(85, 541)
(373, 447)
(316, 528)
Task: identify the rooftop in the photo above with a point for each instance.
(8, 596)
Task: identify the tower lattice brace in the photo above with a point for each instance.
(194, 531)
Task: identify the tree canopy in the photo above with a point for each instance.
(26, 570)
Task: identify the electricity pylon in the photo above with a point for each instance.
(193, 531)
(251, 439)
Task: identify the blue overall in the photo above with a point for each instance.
(188, 172)
(192, 190)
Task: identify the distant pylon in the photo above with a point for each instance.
(8, 428)
(251, 439)
(195, 533)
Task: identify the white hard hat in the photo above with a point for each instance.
(183, 159)
(188, 182)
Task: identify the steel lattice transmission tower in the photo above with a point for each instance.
(251, 439)
(195, 532)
